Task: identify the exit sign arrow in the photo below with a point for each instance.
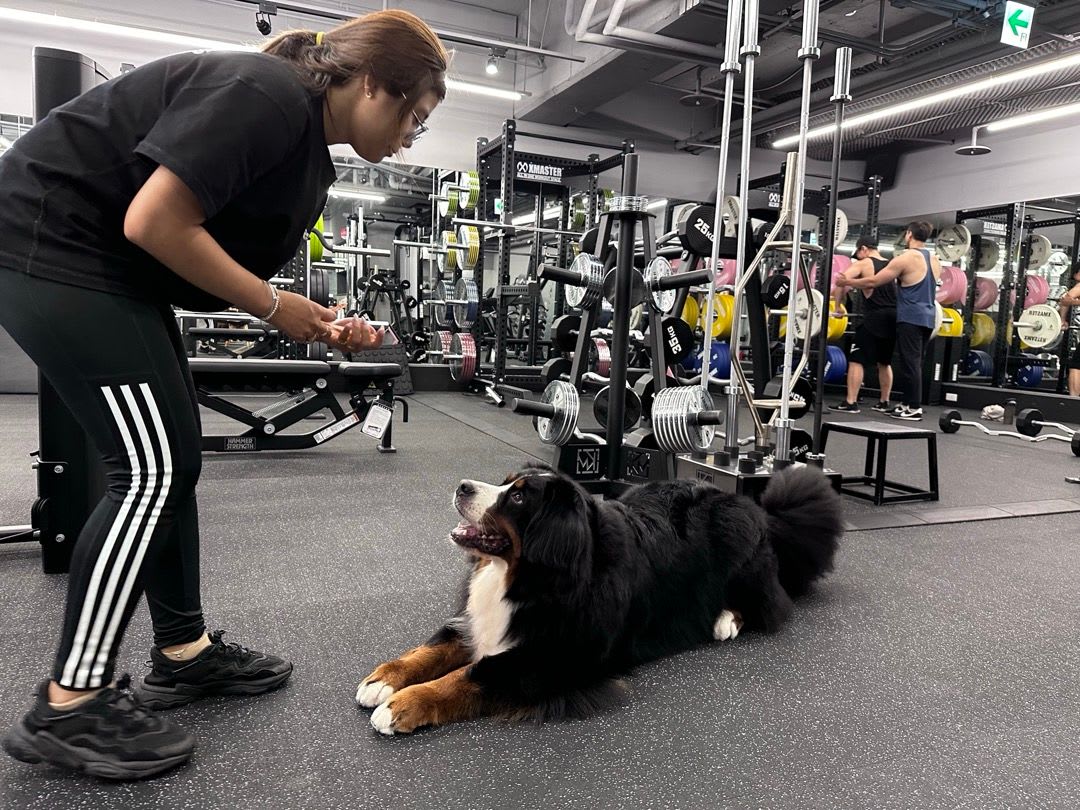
(1016, 24)
(1017, 21)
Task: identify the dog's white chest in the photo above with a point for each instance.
(488, 610)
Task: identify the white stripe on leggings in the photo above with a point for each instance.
(78, 645)
(97, 672)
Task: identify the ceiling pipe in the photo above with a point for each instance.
(442, 33)
(670, 47)
(613, 29)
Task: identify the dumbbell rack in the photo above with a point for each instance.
(606, 462)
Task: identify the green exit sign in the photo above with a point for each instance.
(1016, 27)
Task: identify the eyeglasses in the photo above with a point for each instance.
(421, 127)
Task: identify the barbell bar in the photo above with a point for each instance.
(950, 422)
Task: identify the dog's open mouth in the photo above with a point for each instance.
(466, 535)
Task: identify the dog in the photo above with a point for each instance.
(567, 593)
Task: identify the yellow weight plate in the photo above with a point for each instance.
(982, 330)
(691, 311)
(449, 259)
(469, 194)
(956, 328)
(469, 236)
(723, 309)
(837, 325)
(315, 247)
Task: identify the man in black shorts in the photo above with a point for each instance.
(875, 336)
(1067, 301)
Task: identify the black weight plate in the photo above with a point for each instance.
(696, 231)
(802, 396)
(588, 240)
(1025, 421)
(554, 369)
(678, 337)
(947, 422)
(564, 332)
(802, 444)
(319, 286)
(645, 388)
(775, 291)
(1075, 444)
(631, 409)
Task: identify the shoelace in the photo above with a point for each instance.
(126, 698)
(230, 647)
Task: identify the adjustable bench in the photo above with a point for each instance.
(306, 392)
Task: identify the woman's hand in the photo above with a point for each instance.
(354, 335)
(302, 319)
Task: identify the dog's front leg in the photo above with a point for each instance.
(444, 652)
(454, 696)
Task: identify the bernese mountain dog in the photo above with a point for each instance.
(566, 593)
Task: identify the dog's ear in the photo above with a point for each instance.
(560, 535)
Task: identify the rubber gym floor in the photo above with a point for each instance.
(935, 668)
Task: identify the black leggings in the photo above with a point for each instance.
(119, 366)
(911, 343)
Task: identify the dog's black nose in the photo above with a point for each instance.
(466, 488)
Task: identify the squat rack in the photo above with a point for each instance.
(501, 164)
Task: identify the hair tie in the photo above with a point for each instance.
(318, 38)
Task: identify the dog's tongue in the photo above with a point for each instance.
(465, 530)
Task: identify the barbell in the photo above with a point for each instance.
(465, 305)
(1030, 422)
(951, 421)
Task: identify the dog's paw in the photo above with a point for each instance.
(727, 626)
(371, 693)
(404, 712)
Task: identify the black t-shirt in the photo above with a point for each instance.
(239, 129)
(879, 310)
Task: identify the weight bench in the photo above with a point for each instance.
(306, 392)
(257, 340)
(878, 435)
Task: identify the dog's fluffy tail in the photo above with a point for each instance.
(805, 524)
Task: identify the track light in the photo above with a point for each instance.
(492, 66)
(262, 22)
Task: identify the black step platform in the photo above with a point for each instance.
(878, 435)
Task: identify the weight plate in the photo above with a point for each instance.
(841, 232)
(469, 190)
(720, 360)
(463, 360)
(986, 292)
(801, 444)
(678, 340)
(319, 286)
(726, 277)
(440, 313)
(631, 408)
(560, 428)
(660, 268)
(976, 363)
(1029, 376)
(447, 260)
(469, 236)
(775, 291)
(555, 369)
(808, 313)
(732, 214)
(600, 357)
(838, 321)
(1036, 291)
(953, 243)
(723, 313)
(1040, 251)
(939, 319)
(1039, 326)
(448, 202)
(953, 287)
(564, 332)
(948, 421)
(983, 330)
(465, 313)
(591, 271)
(439, 346)
(315, 247)
(835, 365)
(691, 312)
(952, 323)
(1026, 419)
(989, 253)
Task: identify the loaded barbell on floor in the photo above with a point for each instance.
(951, 421)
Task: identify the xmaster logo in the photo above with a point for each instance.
(539, 171)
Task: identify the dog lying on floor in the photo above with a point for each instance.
(567, 593)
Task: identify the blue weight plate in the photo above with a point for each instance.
(720, 360)
(1029, 376)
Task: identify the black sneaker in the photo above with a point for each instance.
(883, 406)
(845, 407)
(220, 669)
(111, 736)
(906, 413)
